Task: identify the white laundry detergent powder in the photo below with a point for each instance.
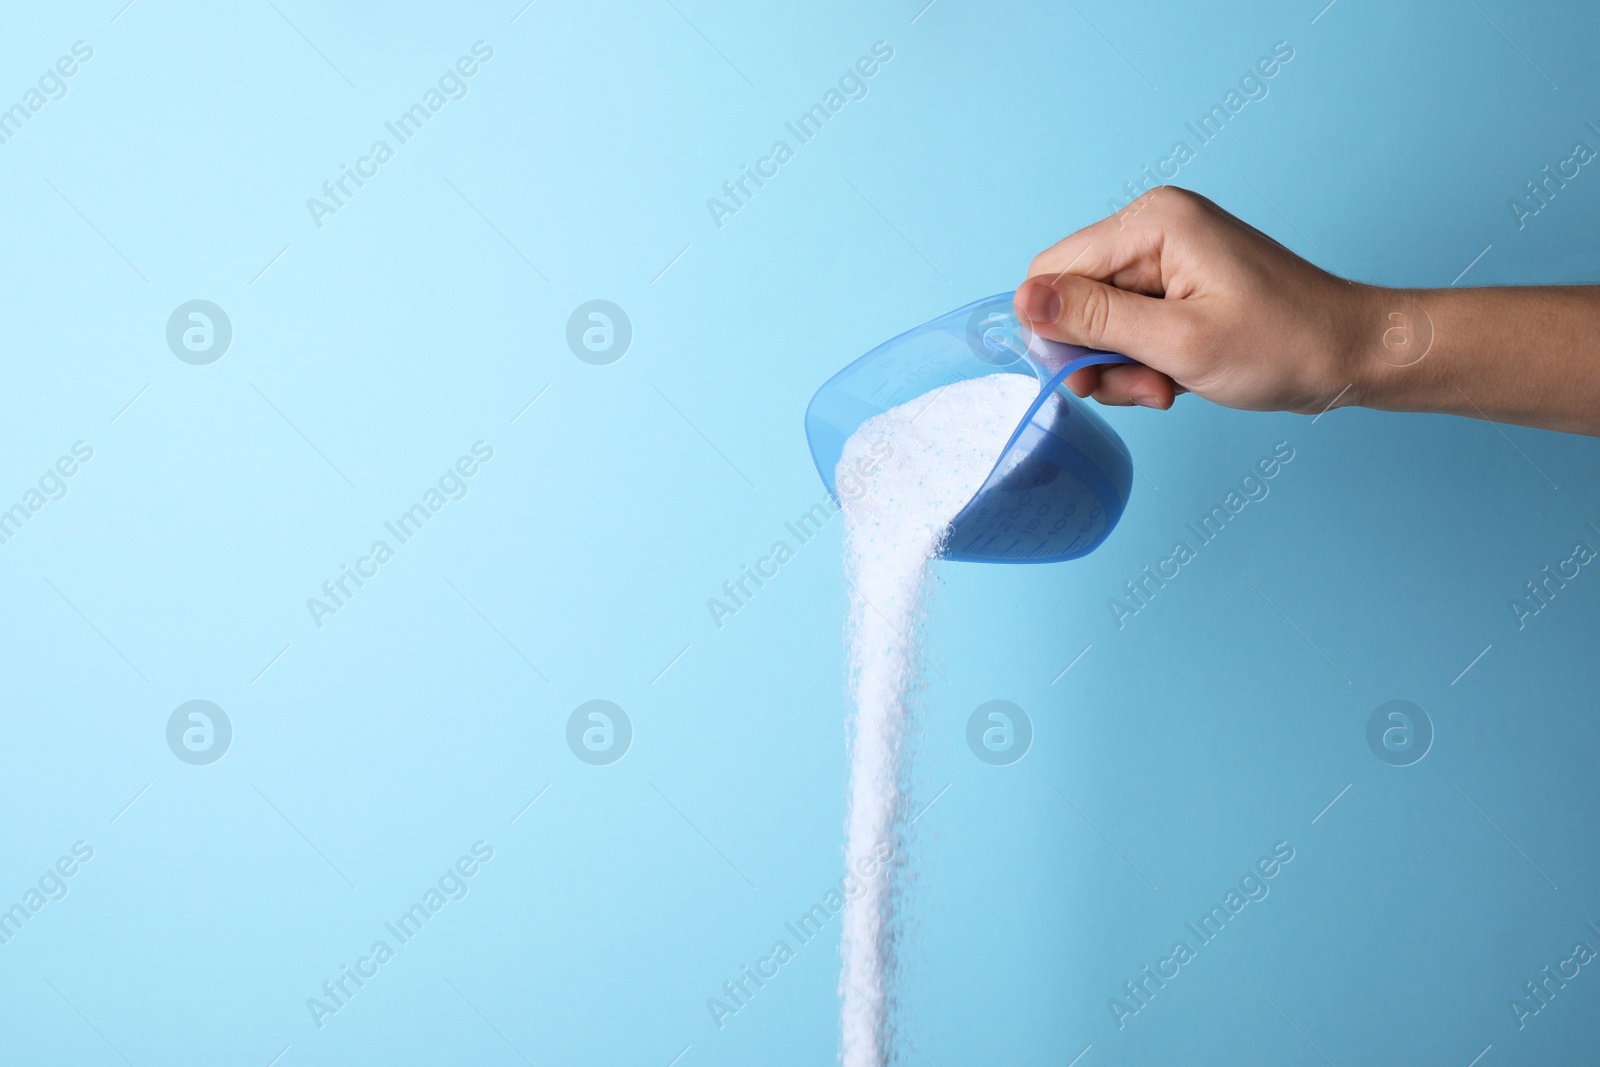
(914, 467)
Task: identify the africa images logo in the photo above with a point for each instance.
(1399, 733)
(199, 732)
(999, 733)
(199, 332)
(599, 732)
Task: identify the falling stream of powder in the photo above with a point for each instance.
(916, 466)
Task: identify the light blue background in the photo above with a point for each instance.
(370, 353)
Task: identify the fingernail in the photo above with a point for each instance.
(1147, 402)
(1040, 303)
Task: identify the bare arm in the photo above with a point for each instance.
(1525, 355)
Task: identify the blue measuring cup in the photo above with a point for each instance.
(1062, 481)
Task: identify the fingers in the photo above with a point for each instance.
(1124, 249)
(1119, 386)
(1082, 311)
(1083, 383)
(1125, 384)
(1103, 287)
(1107, 251)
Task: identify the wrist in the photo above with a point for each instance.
(1391, 360)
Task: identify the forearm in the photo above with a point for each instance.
(1529, 356)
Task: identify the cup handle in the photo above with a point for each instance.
(1058, 359)
(1092, 359)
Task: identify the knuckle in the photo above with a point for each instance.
(1092, 313)
(1178, 204)
(1137, 207)
(1156, 195)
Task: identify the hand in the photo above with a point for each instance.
(1206, 303)
(1212, 306)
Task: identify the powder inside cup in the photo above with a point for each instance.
(903, 476)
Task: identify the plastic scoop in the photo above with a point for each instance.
(1062, 481)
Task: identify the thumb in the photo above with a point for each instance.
(1082, 311)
